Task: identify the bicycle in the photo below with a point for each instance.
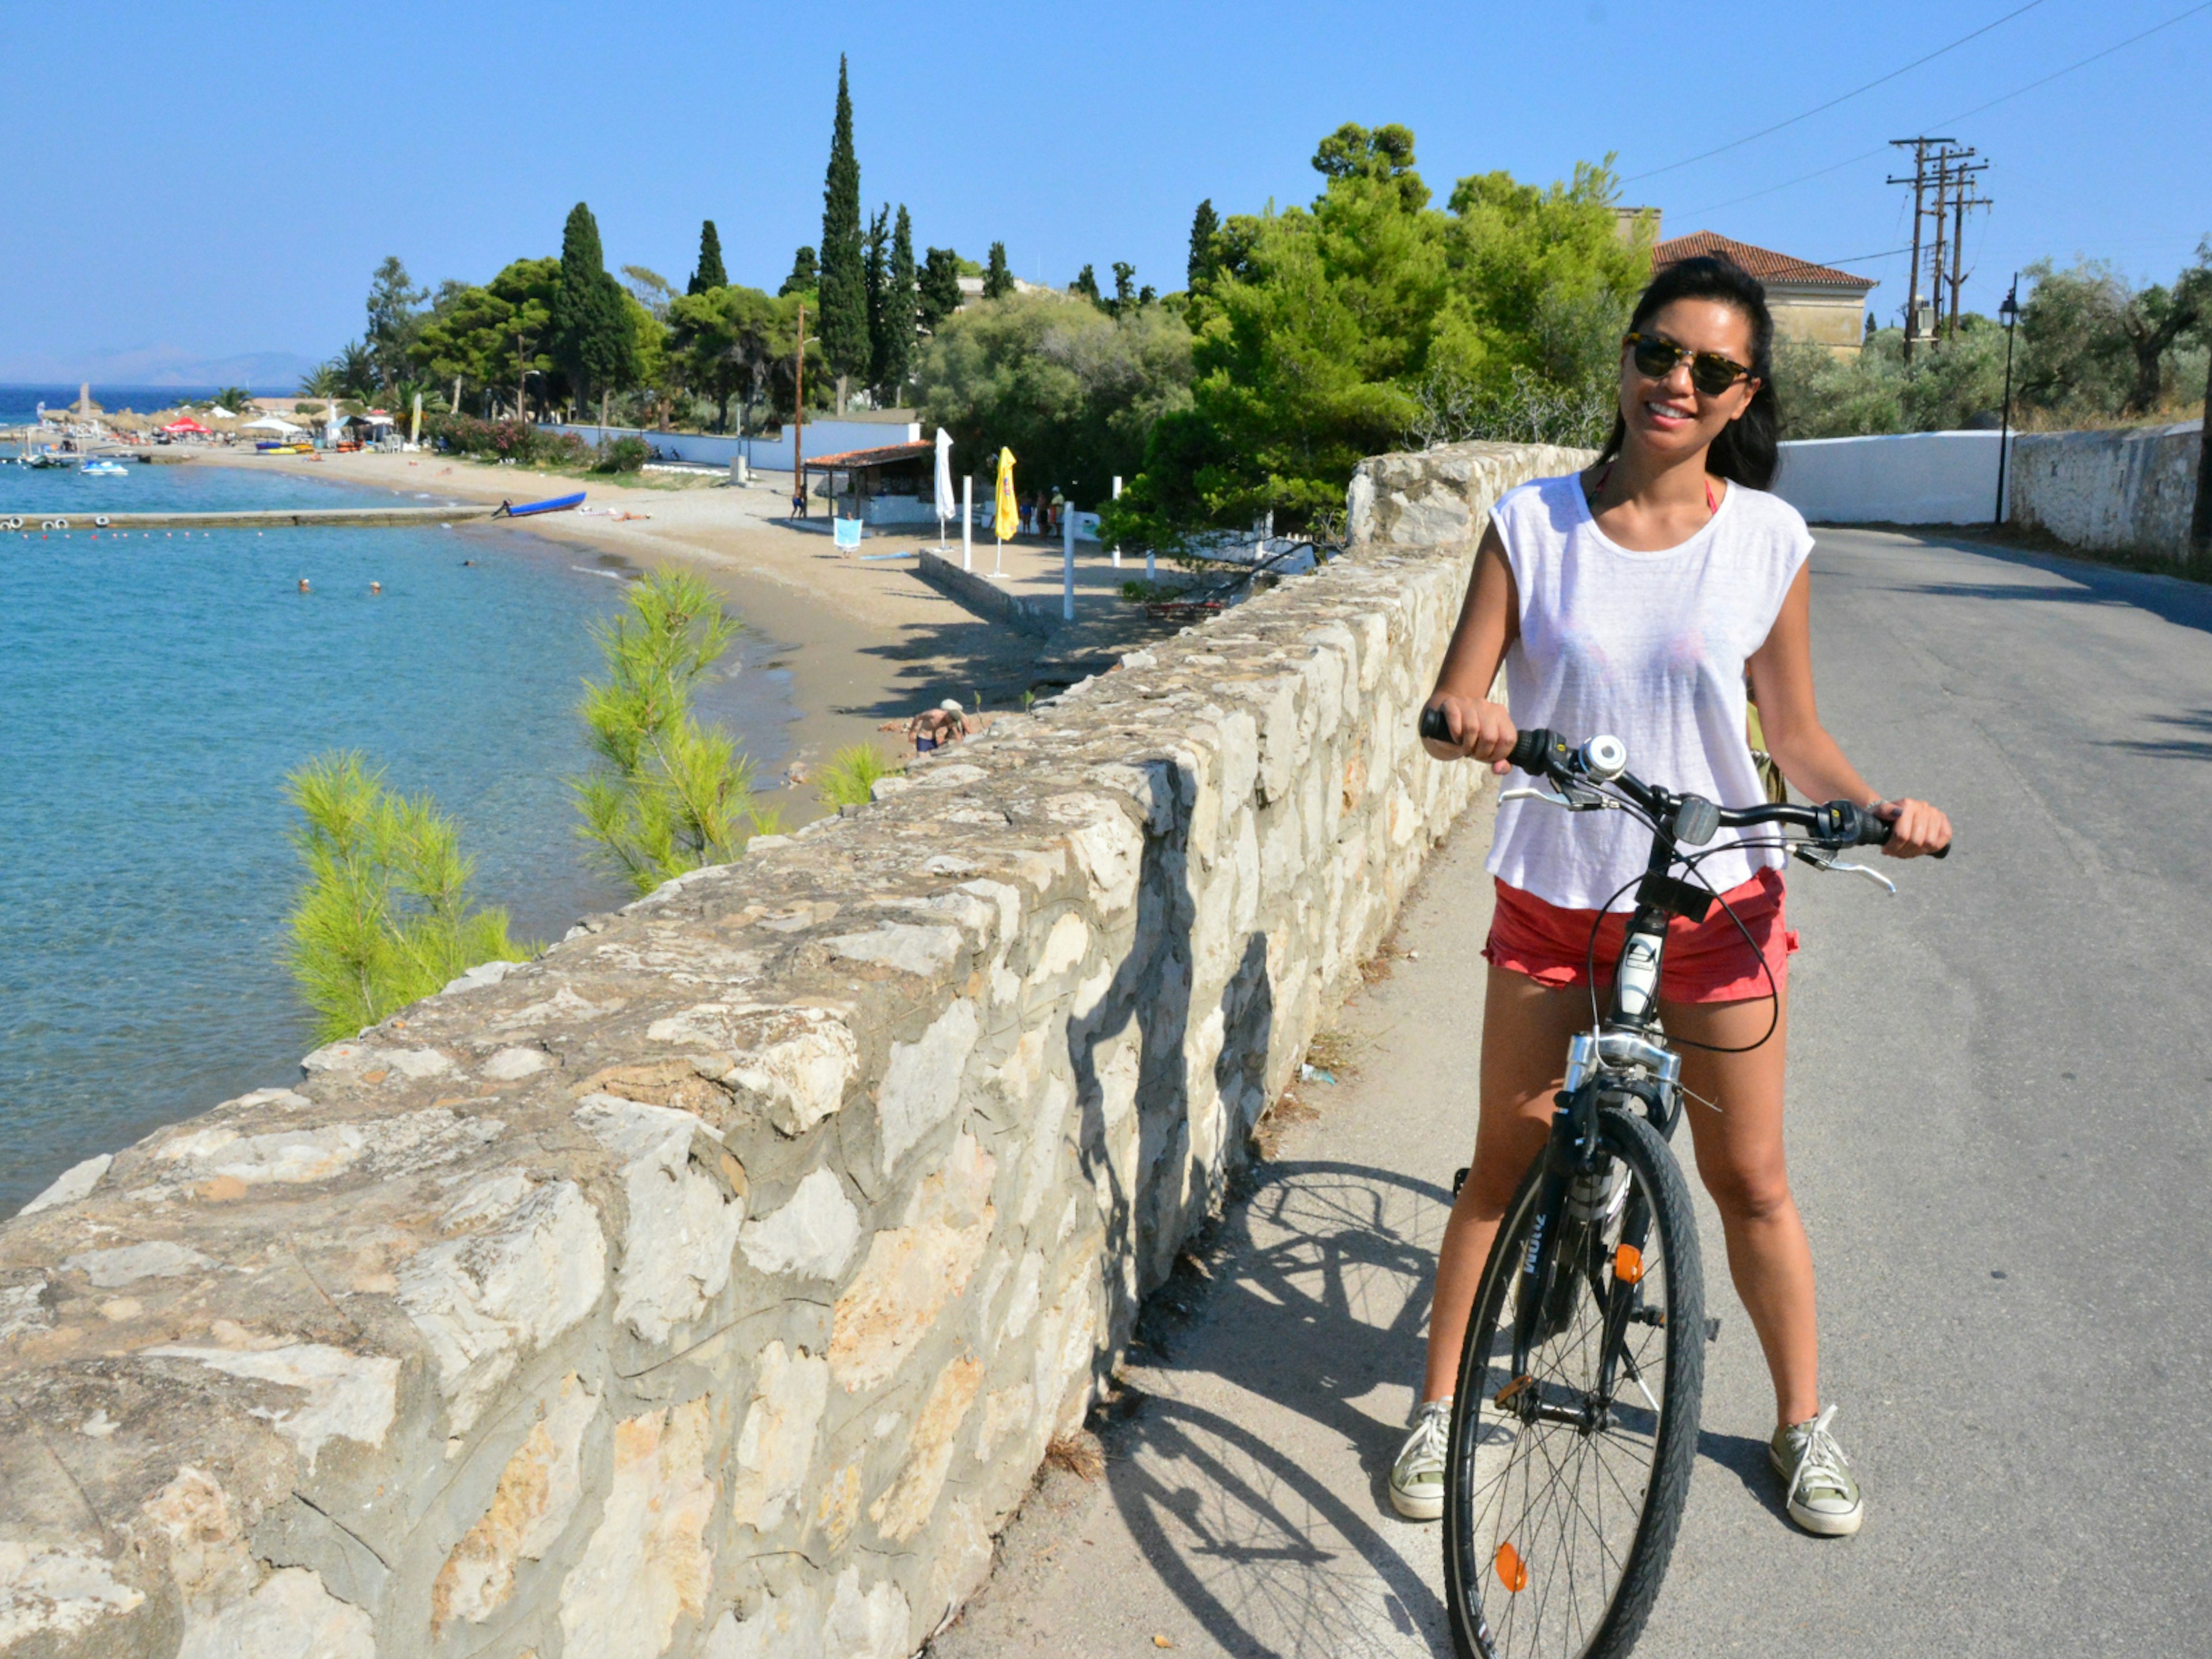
(1574, 1421)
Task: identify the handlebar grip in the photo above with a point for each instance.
(1532, 748)
(1874, 832)
(1434, 726)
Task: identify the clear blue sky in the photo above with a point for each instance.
(221, 180)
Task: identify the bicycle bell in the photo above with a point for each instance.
(1604, 759)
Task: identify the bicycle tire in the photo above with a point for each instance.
(1490, 1618)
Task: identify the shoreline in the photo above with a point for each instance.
(864, 642)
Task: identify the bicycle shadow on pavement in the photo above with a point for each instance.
(1745, 1458)
(1249, 1463)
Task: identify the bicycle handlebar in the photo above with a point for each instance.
(1545, 754)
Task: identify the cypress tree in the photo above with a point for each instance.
(710, 273)
(803, 273)
(1204, 262)
(875, 264)
(591, 330)
(998, 281)
(844, 280)
(1085, 285)
(939, 296)
(895, 343)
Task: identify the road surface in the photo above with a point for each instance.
(2001, 1106)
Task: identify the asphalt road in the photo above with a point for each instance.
(2001, 1100)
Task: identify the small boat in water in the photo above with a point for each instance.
(105, 466)
(557, 504)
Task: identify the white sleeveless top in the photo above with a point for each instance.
(1651, 648)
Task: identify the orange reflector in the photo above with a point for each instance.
(1506, 1393)
(1512, 1571)
(1628, 1264)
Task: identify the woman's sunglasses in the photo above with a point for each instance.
(1655, 359)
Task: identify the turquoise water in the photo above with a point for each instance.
(154, 692)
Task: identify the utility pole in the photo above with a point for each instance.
(799, 412)
(1969, 195)
(1920, 147)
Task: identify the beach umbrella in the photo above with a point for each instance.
(221, 414)
(1009, 522)
(184, 423)
(943, 483)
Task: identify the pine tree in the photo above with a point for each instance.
(592, 338)
(940, 294)
(710, 273)
(844, 280)
(804, 274)
(998, 281)
(1085, 284)
(894, 345)
(1204, 224)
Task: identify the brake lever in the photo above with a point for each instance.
(1825, 860)
(1582, 800)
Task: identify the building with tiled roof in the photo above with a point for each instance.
(1810, 302)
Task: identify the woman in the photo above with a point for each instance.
(1637, 598)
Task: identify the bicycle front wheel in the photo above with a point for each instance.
(1568, 1470)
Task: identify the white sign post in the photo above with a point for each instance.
(1117, 546)
(967, 522)
(1068, 567)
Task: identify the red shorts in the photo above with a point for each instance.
(1705, 961)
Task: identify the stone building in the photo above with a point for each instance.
(1810, 302)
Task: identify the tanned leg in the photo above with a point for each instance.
(1525, 1029)
(1740, 1157)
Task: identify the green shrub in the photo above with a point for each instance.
(385, 917)
(671, 795)
(504, 441)
(623, 455)
(849, 779)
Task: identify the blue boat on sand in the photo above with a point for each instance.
(557, 504)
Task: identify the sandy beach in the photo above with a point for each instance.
(864, 640)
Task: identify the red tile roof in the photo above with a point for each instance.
(887, 455)
(1763, 263)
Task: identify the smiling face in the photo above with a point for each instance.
(1671, 416)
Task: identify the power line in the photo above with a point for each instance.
(1866, 155)
(1865, 259)
(1737, 143)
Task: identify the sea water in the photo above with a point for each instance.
(155, 690)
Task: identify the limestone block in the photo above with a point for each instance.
(904, 945)
(127, 1264)
(291, 1616)
(1240, 758)
(417, 1140)
(1063, 946)
(905, 1508)
(1282, 849)
(24, 1309)
(1006, 1411)
(1151, 784)
(71, 1184)
(776, 1446)
(787, 1626)
(648, 1563)
(348, 1396)
(1041, 1161)
(871, 1625)
(814, 1234)
(485, 1301)
(962, 1546)
(838, 1507)
(1246, 866)
(1282, 739)
(1109, 849)
(922, 1080)
(912, 1272)
(682, 1233)
(55, 1592)
(537, 1497)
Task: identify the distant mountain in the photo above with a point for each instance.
(163, 365)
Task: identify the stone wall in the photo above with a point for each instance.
(2130, 490)
(715, 1285)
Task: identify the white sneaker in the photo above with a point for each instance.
(1417, 1479)
(1821, 1496)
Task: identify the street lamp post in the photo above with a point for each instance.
(2009, 314)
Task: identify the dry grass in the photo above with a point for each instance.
(1079, 1454)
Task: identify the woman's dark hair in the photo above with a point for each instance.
(1744, 452)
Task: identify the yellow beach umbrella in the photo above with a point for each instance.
(1009, 523)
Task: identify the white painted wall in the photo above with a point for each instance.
(769, 454)
(1911, 477)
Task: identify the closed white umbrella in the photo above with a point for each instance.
(943, 483)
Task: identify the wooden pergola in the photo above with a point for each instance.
(867, 468)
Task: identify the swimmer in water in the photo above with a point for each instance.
(303, 585)
(376, 587)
